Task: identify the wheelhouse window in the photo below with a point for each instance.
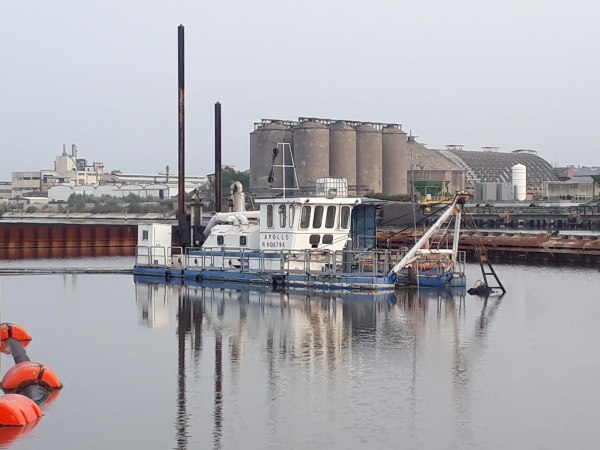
(144, 235)
(243, 241)
(292, 215)
(220, 240)
(330, 217)
(328, 239)
(282, 216)
(345, 218)
(269, 216)
(318, 217)
(305, 217)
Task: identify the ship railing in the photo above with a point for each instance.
(313, 261)
(461, 262)
(152, 255)
(234, 259)
(176, 257)
(365, 262)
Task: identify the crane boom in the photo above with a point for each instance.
(455, 207)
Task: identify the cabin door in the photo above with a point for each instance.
(364, 227)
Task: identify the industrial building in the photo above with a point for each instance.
(492, 166)
(69, 170)
(73, 175)
(577, 188)
(381, 158)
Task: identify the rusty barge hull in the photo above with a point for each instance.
(512, 246)
(60, 240)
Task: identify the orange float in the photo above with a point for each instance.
(18, 410)
(12, 330)
(27, 373)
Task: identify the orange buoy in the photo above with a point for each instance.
(27, 373)
(12, 330)
(18, 410)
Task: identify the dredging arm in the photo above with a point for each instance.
(454, 208)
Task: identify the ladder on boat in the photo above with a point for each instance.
(487, 270)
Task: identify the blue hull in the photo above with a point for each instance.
(428, 278)
(324, 281)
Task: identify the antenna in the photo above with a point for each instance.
(283, 147)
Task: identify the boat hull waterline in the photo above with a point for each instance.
(240, 271)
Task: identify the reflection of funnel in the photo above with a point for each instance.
(10, 434)
(153, 309)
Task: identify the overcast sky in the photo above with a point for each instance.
(103, 75)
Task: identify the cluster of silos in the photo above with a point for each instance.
(519, 182)
(371, 156)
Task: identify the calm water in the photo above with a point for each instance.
(158, 367)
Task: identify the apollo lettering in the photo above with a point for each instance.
(274, 240)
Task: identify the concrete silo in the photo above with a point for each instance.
(263, 140)
(519, 182)
(395, 156)
(368, 159)
(311, 152)
(342, 152)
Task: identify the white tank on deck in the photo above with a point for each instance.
(519, 181)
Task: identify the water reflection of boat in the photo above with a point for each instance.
(268, 332)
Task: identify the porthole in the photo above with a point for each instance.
(314, 240)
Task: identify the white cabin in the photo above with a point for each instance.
(305, 223)
(298, 223)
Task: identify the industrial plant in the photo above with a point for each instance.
(73, 175)
(381, 158)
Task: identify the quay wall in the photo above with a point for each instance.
(576, 218)
(62, 240)
(509, 246)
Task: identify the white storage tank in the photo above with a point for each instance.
(332, 187)
(519, 181)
